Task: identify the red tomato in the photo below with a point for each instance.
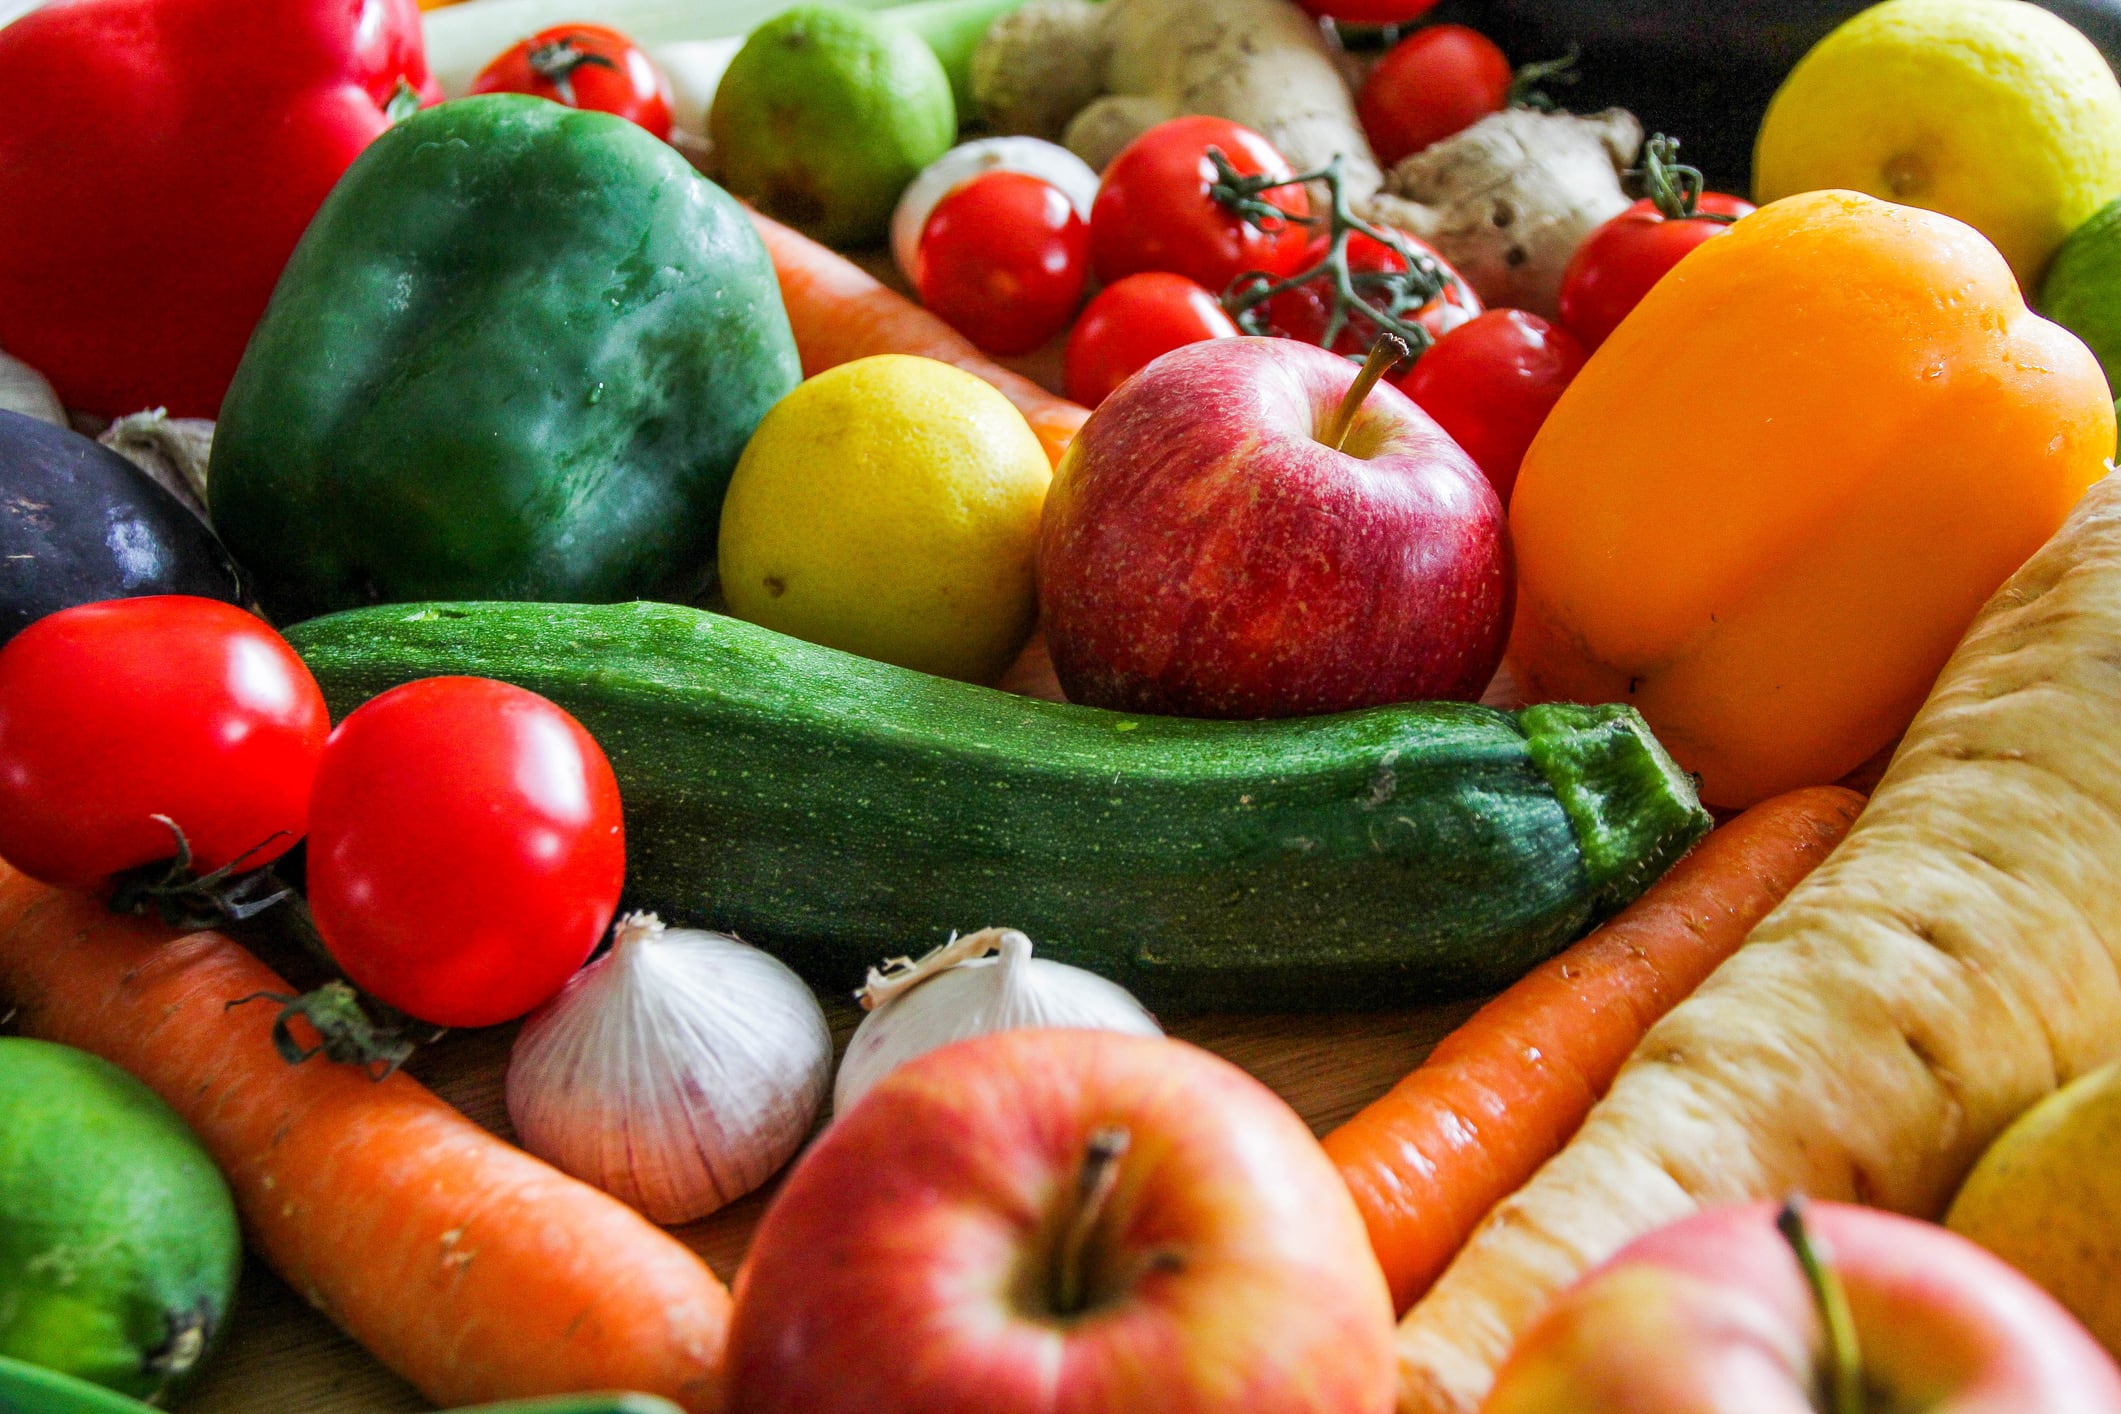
(1431, 84)
(1302, 313)
(1155, 209)
(584, 66)
(1003, 259)
(1490, 383)
(114, 713)
(1615, 267)
(465, 849)
(1133, 323)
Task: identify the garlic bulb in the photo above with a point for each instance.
(173, 450)
(958, 991)
(677, 1072)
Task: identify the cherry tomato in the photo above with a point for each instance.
(1433, 83)
(1615, 267)
(1155, 208)
(1370, 12)
(1003, 259)
(465, 850)
(1491, 382)
(584, 66)
(1302, 312)
(1133, 323)
(114, 713)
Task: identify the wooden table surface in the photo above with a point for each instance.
(281, 1357)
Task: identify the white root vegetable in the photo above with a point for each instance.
(1097, 76)
(1954, 961)
(23, 389)
(1508, 200)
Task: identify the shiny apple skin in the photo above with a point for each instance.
(1712, 1316)
(903, 1267)
(1204, 555)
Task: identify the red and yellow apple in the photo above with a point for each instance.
(1063, 1222)
(1225, 539)
(1715, 1315)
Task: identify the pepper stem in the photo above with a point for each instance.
(1844, 1362)
(1094, 1183)
(1387, 351)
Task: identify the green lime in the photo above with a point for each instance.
(118, 1241)
(2082, 291)
(825, 115)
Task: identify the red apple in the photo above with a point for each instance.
(1214, 546)
(1063, 1222)
(1714, 1315)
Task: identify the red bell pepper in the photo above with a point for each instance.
(158, 161)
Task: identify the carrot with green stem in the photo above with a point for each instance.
(469, 1267)
(840, 312)
(1503, 1093)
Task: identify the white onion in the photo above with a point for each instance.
(1049, 162)
(677, 1072)
(23, 389)
(957, 992)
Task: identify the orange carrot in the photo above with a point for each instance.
(1501, 1094)
(469, 1267)
(841, 313)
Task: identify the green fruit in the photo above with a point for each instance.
(2082, 291)
(118, 1241)
(825, 115)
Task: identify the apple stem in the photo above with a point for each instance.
(1093, 1189)
(1386, 352)
(1844, 1361)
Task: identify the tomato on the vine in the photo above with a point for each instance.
(1435, 82)
(584, 66)
(465, 851)
(1134, 322)
(115, 713)
(1304, 311)
(1619, 262)
(1158, 208)
(1003, 260)
(1491, 382)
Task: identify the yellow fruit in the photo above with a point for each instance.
(2046, 1198)
(1993, 111)
(889, 507)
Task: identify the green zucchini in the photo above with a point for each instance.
(32, 1389)
(839, 811)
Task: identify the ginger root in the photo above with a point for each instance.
(1508, 200)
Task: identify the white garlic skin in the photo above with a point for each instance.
(678, 1072)
(1007, 992)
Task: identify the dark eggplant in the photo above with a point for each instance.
(79, 523)
(1703, 70)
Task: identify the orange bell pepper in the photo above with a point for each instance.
(1771, 503)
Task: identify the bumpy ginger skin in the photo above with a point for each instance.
(1506, 202)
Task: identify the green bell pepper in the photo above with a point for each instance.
(515, 356)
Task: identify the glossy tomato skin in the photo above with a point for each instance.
(1154, 210)
(1435, 82)
(1003, 260)
(466, 851)
(1616, 266)
(1133, 323)
(584, 66)
(1491, 382)
(1369, 12)
(113, 713)
(1302, 312)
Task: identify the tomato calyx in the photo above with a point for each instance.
(557, 61)
(403, 103)
(185, 899)
(1525, 84)
(1245, 198)
(345, 1034)
(1673, 186)
(1385, 297)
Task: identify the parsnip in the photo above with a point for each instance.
(1954, 961)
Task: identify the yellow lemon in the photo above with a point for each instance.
(889, 507)
(1993, 111)
(2046, 1198)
